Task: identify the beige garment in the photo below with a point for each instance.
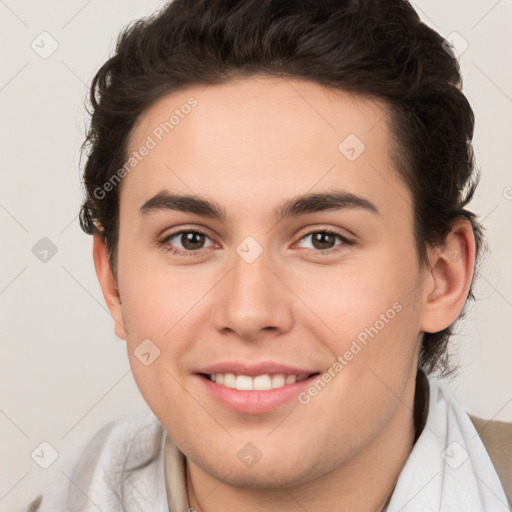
(175, 477)
(497, 438)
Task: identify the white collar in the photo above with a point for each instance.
(123, 468)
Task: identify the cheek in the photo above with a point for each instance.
(373, 318)
(373, 289)
(157, 305)
(157, 299)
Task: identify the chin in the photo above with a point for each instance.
(276, 478)
(269, 474)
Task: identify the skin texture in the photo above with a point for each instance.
(249, 145)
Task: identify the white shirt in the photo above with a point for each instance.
(123, 468)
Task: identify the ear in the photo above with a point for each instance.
(447, 285)
(108, 284)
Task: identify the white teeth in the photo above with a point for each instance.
(229, 380)
(278, 380)
(243, 383)
(290, 379)
(259, 383)
(262, 383)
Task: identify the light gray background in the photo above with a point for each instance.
(63, 372)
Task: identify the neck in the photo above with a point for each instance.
(365, 482)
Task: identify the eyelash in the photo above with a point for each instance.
(180, 252)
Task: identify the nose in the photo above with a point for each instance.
(252, 300)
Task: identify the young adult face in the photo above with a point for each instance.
(259, 294)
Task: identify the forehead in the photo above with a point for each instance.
(249, 142)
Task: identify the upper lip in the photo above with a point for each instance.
(252, 370)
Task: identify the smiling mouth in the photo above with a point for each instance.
(263, 382)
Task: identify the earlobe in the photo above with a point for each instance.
(451, 272)
(108, 284)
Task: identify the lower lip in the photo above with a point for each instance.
(255, 402)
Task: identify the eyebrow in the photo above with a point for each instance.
(300, 205)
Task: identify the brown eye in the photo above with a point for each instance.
(190, 241)
(325, 240)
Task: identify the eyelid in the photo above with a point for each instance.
(343, 233)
